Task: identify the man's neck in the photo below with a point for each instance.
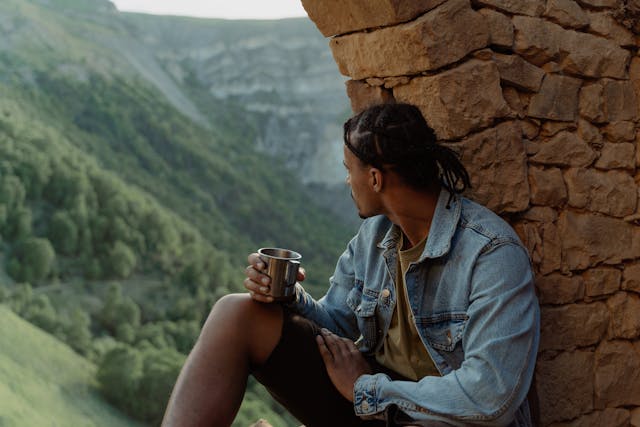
(413, 212)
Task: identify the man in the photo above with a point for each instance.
(430, 319)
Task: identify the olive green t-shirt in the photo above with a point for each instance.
(403, 350)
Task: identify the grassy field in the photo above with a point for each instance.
(44, 383)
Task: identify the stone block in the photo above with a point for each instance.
(617, 379)
(334, 17)
(610, 417)
(565, 386)
(589, 239)
(512, 97)
(497, 156)
(617, 156)
(578, 53)
(551, 249)
(458, 101)
(609, 101)
(518, 7)
(604, 24)
(620, 101)
(543, 244)
(592, 103)
(635, 418)
(601, 281)
(530, 129)
(566, 13)
(517, 72)
(551, 128)
(559, 289)
(440, 37)
(547, 187)
(625, 316)
(530, 235)
(564, 149)
(600, 3)
(612, 193)
(573, 325)
(536, 39)
(590, 134)
(539, 214)
(620, 131)
(363, 95)
(500, 28)
(557, 99)
(634, 74)
(592, 56)
(631, 278)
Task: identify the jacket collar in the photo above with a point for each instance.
(443, 226)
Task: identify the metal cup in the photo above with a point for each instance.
(282, 268)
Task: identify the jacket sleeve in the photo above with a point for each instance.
(500, 343)
(331, 311)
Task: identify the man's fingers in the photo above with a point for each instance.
(349, 347)
(257, 291)
(302, 274)
(334, 343)
(256, 276)
(325, 353)
(255, 261)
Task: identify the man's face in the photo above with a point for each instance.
(359, 179)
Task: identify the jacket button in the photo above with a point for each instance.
(365, 406)
(385, 293)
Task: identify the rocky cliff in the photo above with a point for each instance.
(280, 72)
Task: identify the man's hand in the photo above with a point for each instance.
(343, 360)
(257, 283)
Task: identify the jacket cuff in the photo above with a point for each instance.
(365, 395)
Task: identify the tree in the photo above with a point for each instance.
(119, 374)
(18, 224)
(119, 309)
(120, 261)
(63, 233)
(31, 260)
(161, 369)
(78, 332)
(41, 313)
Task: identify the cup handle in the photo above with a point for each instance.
(292, 272)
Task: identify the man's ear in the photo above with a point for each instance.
(376, 179)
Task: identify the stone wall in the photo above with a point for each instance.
(541, 100)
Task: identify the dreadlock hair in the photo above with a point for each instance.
(396, 136)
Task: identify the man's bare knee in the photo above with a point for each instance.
(242, 308)
(256, 324)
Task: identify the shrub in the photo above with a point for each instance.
(31, 260)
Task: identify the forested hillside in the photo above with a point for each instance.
(123, 218)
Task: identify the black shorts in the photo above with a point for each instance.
(296, 376)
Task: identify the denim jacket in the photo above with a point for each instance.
(474, 306)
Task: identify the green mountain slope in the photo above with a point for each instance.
(128, 203)
(80, 76)
(45, 383)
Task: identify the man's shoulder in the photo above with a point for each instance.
(485, 222)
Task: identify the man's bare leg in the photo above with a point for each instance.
(238, 332)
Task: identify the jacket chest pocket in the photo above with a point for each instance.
(364, 303)
(444, 333)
